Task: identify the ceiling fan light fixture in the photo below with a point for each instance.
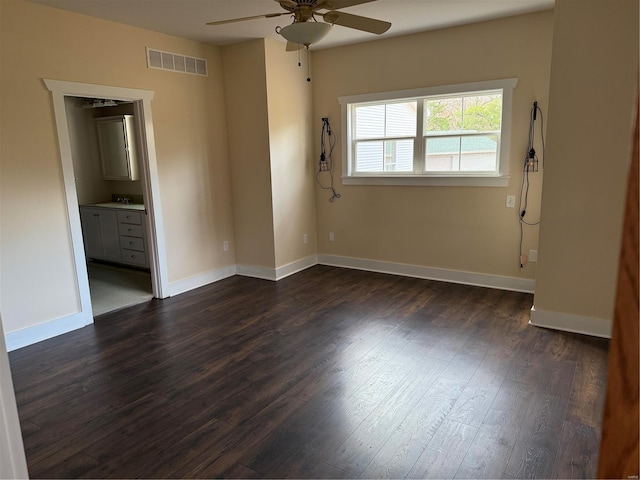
(305, 33)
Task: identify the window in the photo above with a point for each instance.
(384, 137)
(453, 135)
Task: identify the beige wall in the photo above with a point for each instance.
(292, 165)
(38, 279)
(268, 106)
(459, 228)
(592, 92)
(90, 187)
(246, 104)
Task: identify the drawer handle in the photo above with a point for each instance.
(130, 243)
(96, 214)
(133, 256)
(129, 230)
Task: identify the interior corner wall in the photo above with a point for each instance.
(292, 165)
(248, 132)
(464, 229)
(36, 258)
(90, 186)
(592, 95)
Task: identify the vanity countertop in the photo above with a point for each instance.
(122, 206)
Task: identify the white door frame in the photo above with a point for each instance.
(13, 463)
(150, 183)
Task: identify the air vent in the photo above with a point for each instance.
(176, 62)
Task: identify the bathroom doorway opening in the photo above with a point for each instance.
(115, 223)
(111, 199)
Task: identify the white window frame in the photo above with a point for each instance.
(500, 178)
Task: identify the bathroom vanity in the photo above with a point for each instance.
(115, 232)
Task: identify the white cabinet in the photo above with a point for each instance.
(133, 238)
(115, 235)
(117, 144)
(100, 232)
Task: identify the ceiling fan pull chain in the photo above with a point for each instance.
(308, 65)
(299, 58)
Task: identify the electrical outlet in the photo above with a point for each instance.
(331, 237)
(533, 256)
(225, 246)
(511, 201)
(305, 239)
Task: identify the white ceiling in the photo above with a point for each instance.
(187, 18)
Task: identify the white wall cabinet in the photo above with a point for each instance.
(115, 235)
(117, 143)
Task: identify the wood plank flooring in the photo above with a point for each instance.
(330, 373)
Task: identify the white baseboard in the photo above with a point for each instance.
(596, 327)
(275, 274)
(191, 283)
(43, 331)
(264, 273)
(295, 267)
(454, 276)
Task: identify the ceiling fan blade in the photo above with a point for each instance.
(288, 3)
(336, 4)
(292, 47)
(234, 20)
(350, 20)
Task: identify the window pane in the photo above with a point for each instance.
(398, 156)
(482, 113)
(470, 154)
(384, 156)
(443, 115)
(392, 120)
(479, 153)
(401, 119)
(369, 156)
(442, 154)
(370, 121)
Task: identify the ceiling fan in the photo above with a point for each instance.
(306, 30)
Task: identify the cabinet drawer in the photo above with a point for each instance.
(133, 257)
(129, 216)
(132, 243)
(130, 230)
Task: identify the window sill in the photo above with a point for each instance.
(434, 181)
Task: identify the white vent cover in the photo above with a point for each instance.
(176, 62)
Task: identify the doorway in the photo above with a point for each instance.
(138, 103)
(105, 154)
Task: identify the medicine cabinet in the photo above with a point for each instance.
(117, 143)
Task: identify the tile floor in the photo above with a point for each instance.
(114, 287)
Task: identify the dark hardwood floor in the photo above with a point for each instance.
(330, 373)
